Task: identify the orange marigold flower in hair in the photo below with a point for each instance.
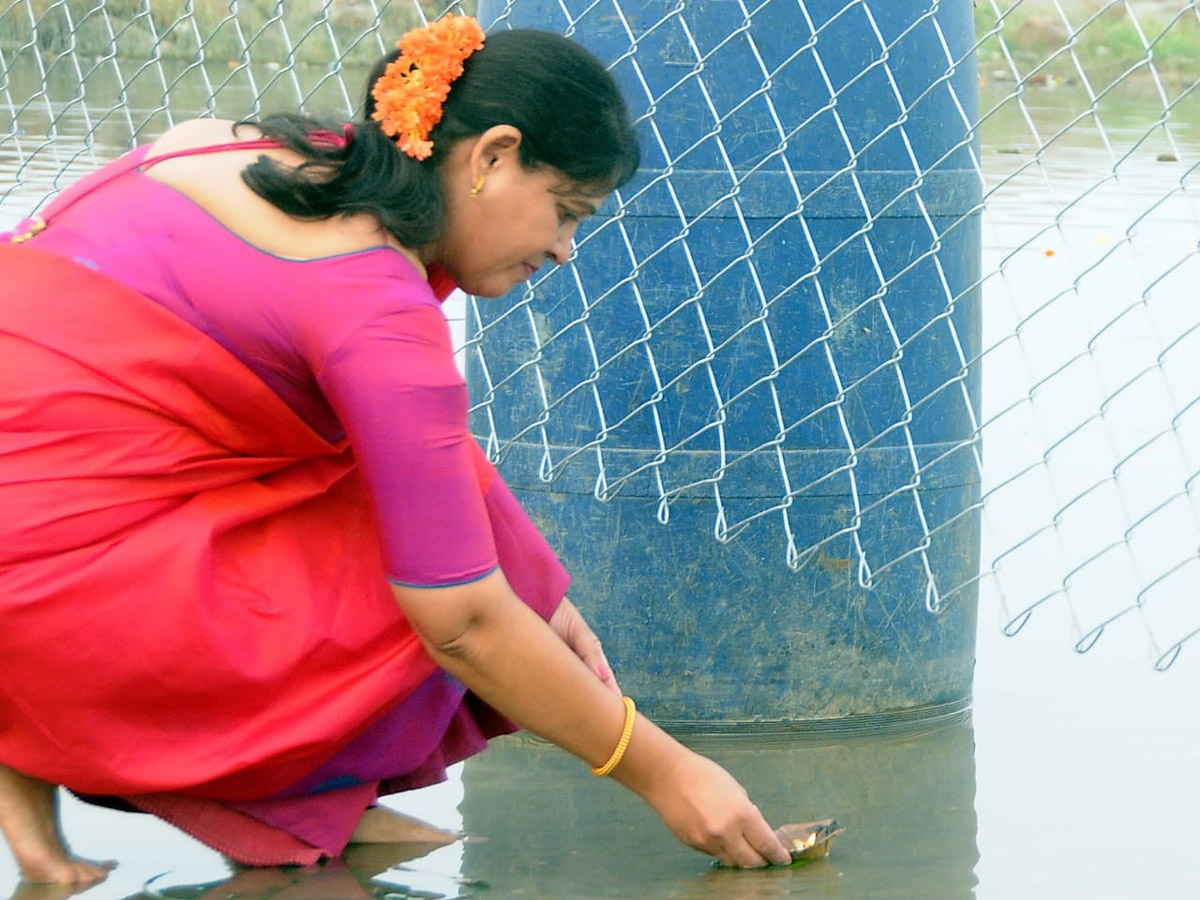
(410, 93)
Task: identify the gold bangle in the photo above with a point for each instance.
(623, 743)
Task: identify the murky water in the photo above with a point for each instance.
(1076, 779)
(1075, 776)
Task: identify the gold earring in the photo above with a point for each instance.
(477, 187)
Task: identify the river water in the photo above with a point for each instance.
(1075, 775)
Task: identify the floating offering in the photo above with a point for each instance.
(809, 840)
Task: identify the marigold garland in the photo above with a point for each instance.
(410, 93)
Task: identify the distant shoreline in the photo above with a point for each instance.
(325, 33)
(1032, 42)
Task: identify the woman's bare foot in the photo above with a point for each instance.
(29, 820)
(380, 825)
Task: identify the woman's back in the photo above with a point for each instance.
(281, 294)
(213, 181)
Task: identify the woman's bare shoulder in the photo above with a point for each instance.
(199, 133)
(213, 181)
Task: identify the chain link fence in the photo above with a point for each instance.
(1074, 392)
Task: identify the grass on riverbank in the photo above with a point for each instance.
(312, 32)
(1105, 36)
(1044, 40)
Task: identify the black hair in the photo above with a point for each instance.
(566, 105)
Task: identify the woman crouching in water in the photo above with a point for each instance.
(254, 571)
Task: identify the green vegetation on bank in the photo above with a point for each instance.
(305, 32)
(1104, 36)
(1044, 40)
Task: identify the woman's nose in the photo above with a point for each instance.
(560, 250)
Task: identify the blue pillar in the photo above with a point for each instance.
(804, 357)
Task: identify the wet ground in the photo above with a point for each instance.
(1075, 778)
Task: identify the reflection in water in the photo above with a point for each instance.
(543, 828)
(907, 801)
(364, 872)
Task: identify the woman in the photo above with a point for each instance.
(254, 571)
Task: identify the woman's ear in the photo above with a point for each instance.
(499, 145)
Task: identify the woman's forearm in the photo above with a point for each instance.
(483, 635)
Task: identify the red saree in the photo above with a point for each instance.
(192, 598)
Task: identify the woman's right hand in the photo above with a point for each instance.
(484, 636)
(709, 810)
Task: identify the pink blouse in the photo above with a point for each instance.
(356, 344)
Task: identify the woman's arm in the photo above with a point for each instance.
(482, 634)
(575, 632)
(394, 386)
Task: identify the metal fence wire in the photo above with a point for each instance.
(1069, 351)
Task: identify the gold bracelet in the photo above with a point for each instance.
(623, 743)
